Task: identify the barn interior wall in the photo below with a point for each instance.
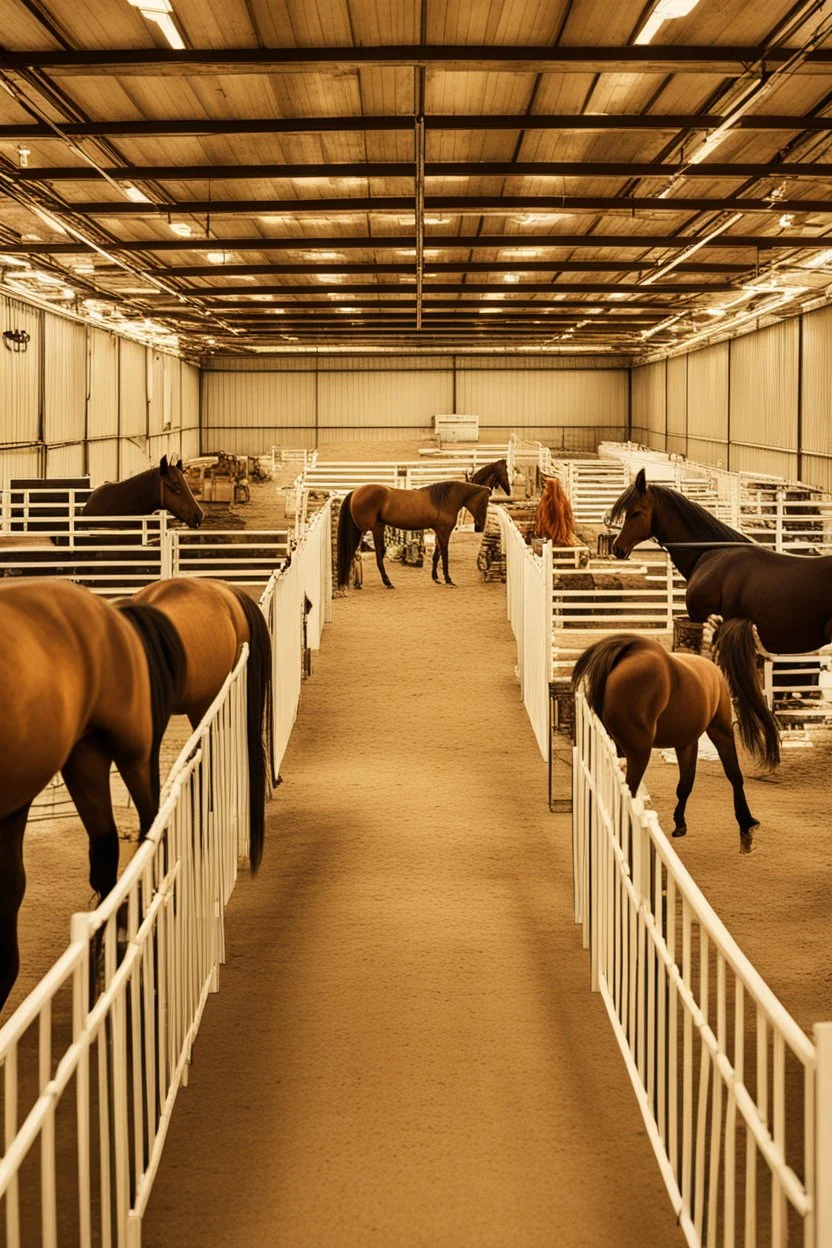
(82, 400)
(249, 405)
(757, 403)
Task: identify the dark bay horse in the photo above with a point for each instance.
(648, 698)
(431, 507)
(82, 685)
(787, 599)
(492, 475)
(159, 489)
(214, 620)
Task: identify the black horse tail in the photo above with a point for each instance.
(167, 666)
(349, 537)
(735, 651)
(258, 685)
(595, 664)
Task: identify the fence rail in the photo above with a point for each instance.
(735, 1097)
(92, 1075)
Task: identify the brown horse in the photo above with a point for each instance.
(214, 620)
(554, 520)
(159, 489)
(647, 698)
(492, 475)
(431, 507)
(786, 599)
(82, 685)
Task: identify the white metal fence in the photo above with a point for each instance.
(303, 590)
(528, 593)
(736, 1099)
(89, 1078)
(103, 1073)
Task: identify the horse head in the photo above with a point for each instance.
(635, 507)
(176, 496)
(501, 476)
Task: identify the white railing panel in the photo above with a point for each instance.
(724, 1077)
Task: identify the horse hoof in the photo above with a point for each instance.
(746, 843)
(389, 585)
(451, 583)
(680, 832)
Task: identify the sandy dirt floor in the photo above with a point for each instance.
(404, 1050)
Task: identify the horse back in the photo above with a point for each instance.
(70, 664)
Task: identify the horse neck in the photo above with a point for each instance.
(669, 528)
(140, 495)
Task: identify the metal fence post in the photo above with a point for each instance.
(822, 1195)
(168, 554)
(778, 531)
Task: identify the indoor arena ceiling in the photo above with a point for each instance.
(556, 175)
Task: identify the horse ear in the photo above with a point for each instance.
(179, 464)
(641, 482)
(163, 465)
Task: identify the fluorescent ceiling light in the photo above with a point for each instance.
(511, 277)
(137, 196)
(819, 259)
(215, 257)
(67, 293)
(324, 255)
(181, 228)
(665, 11)
(15, 260)
(690, 251)
(159, 12)
(786, 220)
(539, 218)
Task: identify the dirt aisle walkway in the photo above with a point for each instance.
(405, 1052)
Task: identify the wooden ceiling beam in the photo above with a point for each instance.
(723, 60)
(449, 266)
(554, 205)
(433, 169)
(206, 127)
(461, 288)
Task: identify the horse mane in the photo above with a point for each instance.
(443, 493)
(691, 514)
(554, 519)
(167, 667)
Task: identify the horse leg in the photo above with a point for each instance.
(637, 759)
(12, 888)
(136, 775)
(434, 571)
(444, 537)
(721, 733)
(378, 542)
(686, 755)
(86, 774)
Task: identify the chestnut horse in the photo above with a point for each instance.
(159, 489)
(647, 698)
(83, 685)
(554, 520)
(214, 620)
(431, 507)
(492, 475)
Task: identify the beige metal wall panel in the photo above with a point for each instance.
(65, 461)
(103, 461)
(65, 380)
(134, 456)
(407, 433)
(190, 431)
(20, 376)
(18, 463)
(764, 382)
(524, 399)
(677, 399)
(768, 461)
(817, 470)
(708, 451)
(648, 396)
(379, 364)
(817, 383)
(133, 389)
(102, 420)
(382, 403)
(708, 394)
(257, 408)
(175, 385)
(676, 444)
(158, 393)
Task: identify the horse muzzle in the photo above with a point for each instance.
(619, 551)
